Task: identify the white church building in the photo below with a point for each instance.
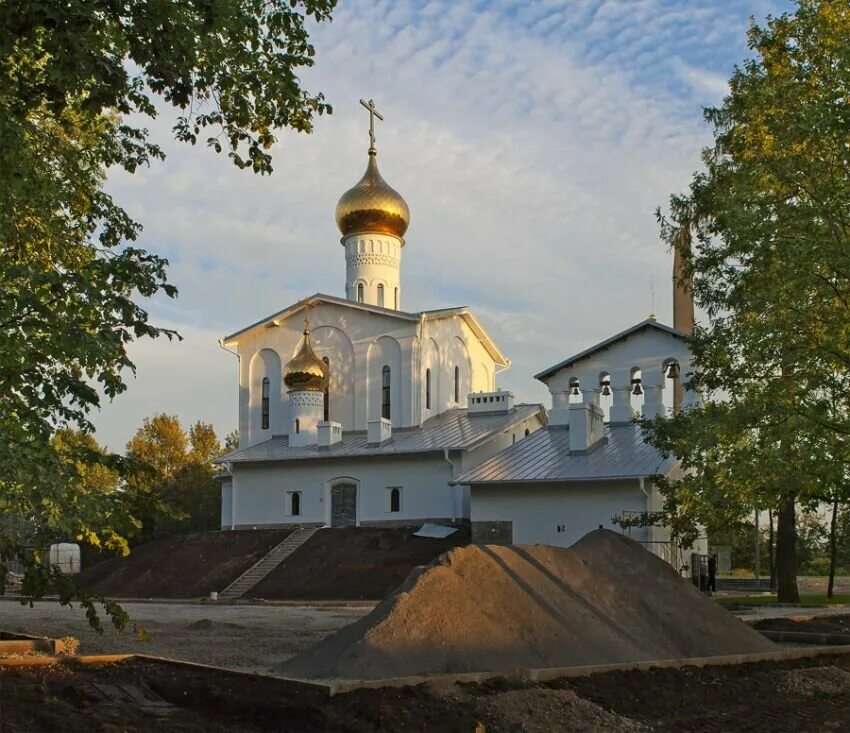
(353, 411)
(591, 464)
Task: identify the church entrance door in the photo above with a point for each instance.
(343, 505)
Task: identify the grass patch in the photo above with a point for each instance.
(767, 599)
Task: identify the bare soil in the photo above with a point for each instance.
(183, 566)
(837, 624)
(496, 609)
(804, 695)
(353, 563)
(252, 638)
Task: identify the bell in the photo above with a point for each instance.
(673, 371)
(606, 389)
(637, 390)
(575, 391)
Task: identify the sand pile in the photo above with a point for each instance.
(491, 608)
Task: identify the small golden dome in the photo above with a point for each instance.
(372, 205)
(305, 372)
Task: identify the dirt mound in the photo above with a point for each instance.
(489, 608)
(353, 563)
(183, 566)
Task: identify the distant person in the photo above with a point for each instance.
(712, 573)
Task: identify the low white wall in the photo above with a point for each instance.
(260, 490)
(537, 510)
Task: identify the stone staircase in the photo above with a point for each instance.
(267, 563)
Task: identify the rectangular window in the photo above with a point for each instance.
(393, 499)
(386, 408)
(293, 503)
(265, 405)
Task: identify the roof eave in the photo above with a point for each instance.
(233, 339)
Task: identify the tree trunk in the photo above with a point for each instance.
(771, 550)
(833, 548)
(786, 553)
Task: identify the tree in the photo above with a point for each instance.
(205, 444)
(177, 470)
(160, 449)
(765, 233)
(75, 77)
(231, 441)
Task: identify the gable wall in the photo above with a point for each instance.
(358, 344)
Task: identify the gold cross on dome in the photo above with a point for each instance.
(373, 113)
(307, 317)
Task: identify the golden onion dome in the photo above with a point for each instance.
(305, 372)
(372, 205)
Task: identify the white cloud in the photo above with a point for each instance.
(532, 141)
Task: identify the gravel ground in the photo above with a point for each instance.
(247, 637)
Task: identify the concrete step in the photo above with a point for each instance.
(267, 563)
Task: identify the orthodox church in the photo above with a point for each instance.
(354, 411)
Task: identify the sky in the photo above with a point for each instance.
(533, 142)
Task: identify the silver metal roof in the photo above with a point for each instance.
(453, 430)
(545, 456)
(602, 345)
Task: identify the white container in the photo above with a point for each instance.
(66, 557)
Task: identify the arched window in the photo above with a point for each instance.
(395, 500)
(527, 432)
(327, 404)
(457, 384)
(427, 389)
(396, 299)
(381, 295)
(265, 404)
(385, 393)
(297, 426)
(295, 503)
(359, 292)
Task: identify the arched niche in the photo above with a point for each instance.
(333, 343)
(265, 364)
(384, 351)
(458, 358)
(431, 363)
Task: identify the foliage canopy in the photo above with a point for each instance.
(765, 231)
(76, 78)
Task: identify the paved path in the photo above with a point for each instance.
(248, 637)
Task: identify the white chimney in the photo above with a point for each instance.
(329, 433)
(586, 425)
(380, 431)
(498, 401)
(559, 415)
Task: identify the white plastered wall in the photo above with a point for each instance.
(646, 351)
(447, 343)
(358, 344)
(538, 509)
(373, 260)
(345, 336)
(260, 489)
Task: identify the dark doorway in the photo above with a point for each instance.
(343, 505)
